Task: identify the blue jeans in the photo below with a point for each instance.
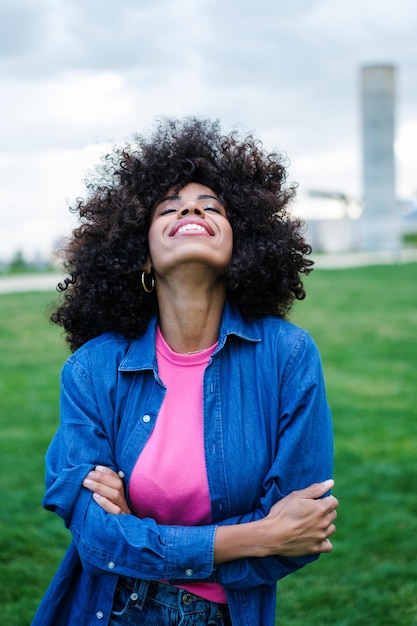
(147, 602)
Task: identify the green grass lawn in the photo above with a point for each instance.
(365, 323)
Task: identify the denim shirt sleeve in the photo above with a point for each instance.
(112, 544)
(305, 456)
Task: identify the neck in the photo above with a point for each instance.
(190, 314)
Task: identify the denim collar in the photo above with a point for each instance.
(141, 354)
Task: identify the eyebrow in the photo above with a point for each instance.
(203, 196)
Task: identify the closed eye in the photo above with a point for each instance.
(212, 208)
(166, 211)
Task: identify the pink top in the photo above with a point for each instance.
(169, 481)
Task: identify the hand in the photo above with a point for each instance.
(108, 490)
(302, 522)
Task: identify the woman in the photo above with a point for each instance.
(195, 448)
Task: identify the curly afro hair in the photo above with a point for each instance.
(106, 254)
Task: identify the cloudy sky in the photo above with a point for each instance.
(78, 75)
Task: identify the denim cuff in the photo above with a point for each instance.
(190, 552)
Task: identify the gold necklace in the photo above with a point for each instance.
(196, 351)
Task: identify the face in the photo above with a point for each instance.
(190, 225)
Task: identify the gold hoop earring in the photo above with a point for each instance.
(146, 288)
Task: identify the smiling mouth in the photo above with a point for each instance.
(191, 228)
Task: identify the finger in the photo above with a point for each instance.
(326, 546)
(107, 474)
(316, 490)
(331, 530)
(103, 490)
(107, 470)
(334, 508)
(331, 503)
(106, 504)
(108, 478)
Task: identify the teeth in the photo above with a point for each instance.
(187, 227)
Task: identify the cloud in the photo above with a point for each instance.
(65, 112)
(58, 37)
(75, 74)
(20, 30)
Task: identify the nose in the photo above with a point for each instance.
(191, 208)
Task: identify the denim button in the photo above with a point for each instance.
(111, 565)
(134, 596)
(146, 418)
(99, 614)
(121, 474)
(189, 572)
(187, 598)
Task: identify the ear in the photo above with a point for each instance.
(148, 265)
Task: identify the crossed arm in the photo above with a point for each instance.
(299, 524)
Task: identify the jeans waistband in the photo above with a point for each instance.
(169, 596)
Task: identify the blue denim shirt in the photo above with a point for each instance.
(267, 432)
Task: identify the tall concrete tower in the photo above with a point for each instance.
(379, 224)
